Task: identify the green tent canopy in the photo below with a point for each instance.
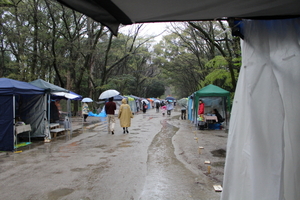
(211, 91)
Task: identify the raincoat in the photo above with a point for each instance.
(85, 109)
(125, 114)
(201, 109)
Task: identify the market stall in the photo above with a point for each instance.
(22, 105)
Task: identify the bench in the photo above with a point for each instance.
(57, 130)
(54, 125)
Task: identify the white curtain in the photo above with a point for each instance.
(263, 149)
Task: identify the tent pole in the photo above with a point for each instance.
(225, 110)
(70, 115)
(82, 117)
(14, 122)
(48, 104)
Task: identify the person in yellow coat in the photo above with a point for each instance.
(125, 116)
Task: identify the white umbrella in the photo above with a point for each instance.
(157, 101)
(87, 99)
(108, 93)
(144, 100)
(183, 102)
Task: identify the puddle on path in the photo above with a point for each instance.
(56, 194)
(168, 178)
(219, 153)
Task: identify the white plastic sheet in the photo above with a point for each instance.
(263, 150)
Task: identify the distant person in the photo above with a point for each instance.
(218, 115)
(183, 111)
(110, 108)
(137, 105)
(163, 110)
(157, 105)
(169, 107)
(85, 111)
(144, 107)
(125, 115)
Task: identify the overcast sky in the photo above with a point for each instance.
(148, 29)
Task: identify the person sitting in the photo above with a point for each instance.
(218, 115)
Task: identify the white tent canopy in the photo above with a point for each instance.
(66, 95)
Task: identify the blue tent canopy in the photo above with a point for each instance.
(118, 98)
(10, 87)
(21, 99)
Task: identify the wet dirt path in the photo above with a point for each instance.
(95, 165)
(168, 178)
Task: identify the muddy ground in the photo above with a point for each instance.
(158, 159)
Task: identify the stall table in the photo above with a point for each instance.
(210, 119)
(22, 129)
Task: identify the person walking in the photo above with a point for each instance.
(169, 107)
(157, 105)
(110, 108)
(85, 111)
(125, 116)
(144, 107)
(183, 111)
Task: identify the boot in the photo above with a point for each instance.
(127, 130)
(123, 130)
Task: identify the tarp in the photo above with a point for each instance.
(131, 102)
(49, 88)
(262, 160)
(191, 107)
(20, 99)
(116, 12)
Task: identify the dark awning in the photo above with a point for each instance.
(116, 12)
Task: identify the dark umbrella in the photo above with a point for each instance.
(170, 98)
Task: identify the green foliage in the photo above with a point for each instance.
(6, 3)
(218, 73)
(217, 62)
(155, 89)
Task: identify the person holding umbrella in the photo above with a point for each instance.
(169, 107)
(125, 116)
(110, 108)
(85, 107)
(85, 111)
(183, 104)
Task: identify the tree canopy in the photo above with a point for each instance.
(43, 39)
